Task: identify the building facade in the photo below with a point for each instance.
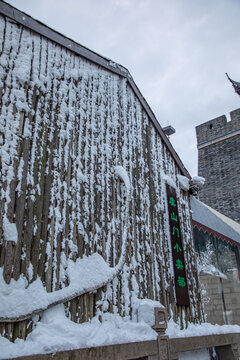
(69, 118)
(218, 143)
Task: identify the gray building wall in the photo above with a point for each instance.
(218, 144)
(215, 289)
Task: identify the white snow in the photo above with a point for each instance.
(121, 172)
(85, 275)
(30, 271)
(169, 180)
(183, 182)
(211, 270)
(55, 332)
(198, 180)
(10, 230)
(174, 330)
(145, 310)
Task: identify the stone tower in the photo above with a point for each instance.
(218, 143)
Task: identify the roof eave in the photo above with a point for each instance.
(210, 231)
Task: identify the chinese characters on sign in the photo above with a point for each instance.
(177, 249)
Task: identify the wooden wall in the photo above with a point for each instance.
(64, 124)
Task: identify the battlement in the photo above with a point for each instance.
(218, 127)
(219, 163)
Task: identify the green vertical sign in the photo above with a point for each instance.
(181, 287)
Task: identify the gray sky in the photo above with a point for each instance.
(176, 50)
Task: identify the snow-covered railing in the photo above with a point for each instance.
(86, 275)
(148, 336)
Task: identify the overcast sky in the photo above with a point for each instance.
(177, 51)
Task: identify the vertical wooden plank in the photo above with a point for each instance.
(85, 307)
(9, 166)
(8, 261)
(49, 270)
(20, 208)
(32, 238)
(91, 306)
(73, 308)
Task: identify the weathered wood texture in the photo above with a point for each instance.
(66, 123)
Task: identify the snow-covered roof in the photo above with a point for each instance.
(42, 29)
(214, 222)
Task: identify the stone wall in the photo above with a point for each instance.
(218, 289)
(219, 163)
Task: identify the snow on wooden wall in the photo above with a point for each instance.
(65, 123)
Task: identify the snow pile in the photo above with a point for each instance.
(211, 270)
(145, 310)
(198, 181)
(183, 182)
(169, 180)
(55, 332)
(10, 230)
(86, 274)
(174, 330)
(121, 172)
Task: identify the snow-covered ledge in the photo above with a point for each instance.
(19, 302)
